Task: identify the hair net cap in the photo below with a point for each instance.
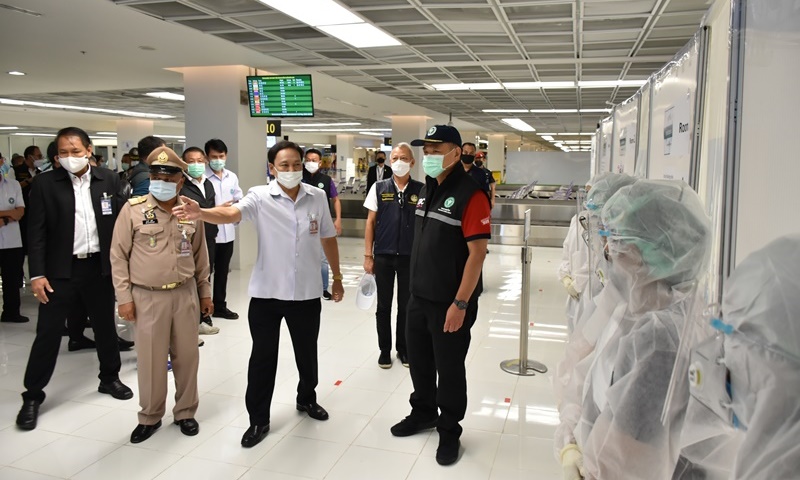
(367, 291)
(666, 222)
(604, 186)
(760, 299)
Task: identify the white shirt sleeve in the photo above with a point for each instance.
(371, 202)
(19, 200)
(327, 230)
(248, 206)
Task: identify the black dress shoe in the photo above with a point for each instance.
(143, 432)
(28, 414)
(124, 345)
(410, 426)
(254, 435)
(385, 360)
(403, 358)
(314, 411)
(14, 319)
(225, 313)
(189, 426)
(84, 342)
(447, 453)
(326, 295)
(116, 389)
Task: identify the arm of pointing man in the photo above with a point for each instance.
(190, 210)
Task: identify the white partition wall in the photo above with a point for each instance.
(547, 168)
(606, 144)
(625, 136)
(643, 140)
(593, 154)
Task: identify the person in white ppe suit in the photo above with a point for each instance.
(597, 308)
(748, 376)
(658, 246)
(574, 269)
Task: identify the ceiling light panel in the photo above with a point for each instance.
(518, 124)
(316, 13)
(361, 35)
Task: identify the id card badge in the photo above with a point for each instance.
(313, 224)
(186, 246)
(105, 205)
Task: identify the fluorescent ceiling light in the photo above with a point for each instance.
(180, 137)
(611, 83)
(518, 124)
(361, 35)
(555, 110)
(166, 96)
(505, 110)
(595, 110)
(9, 128)
(25, 134)
(106, 133)
(316, 13)
(533, 85)
(467, 86)
(309, 125)
(124, 113)
(558, 144)
(547, 137)
(371, 133)
(16, 73)
(342, 130)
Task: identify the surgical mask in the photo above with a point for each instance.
(163, 190)
(126, 166)
(312, 167)
(290, 179)
(40, 163)
(479, 163)
(5, 168)
(217, 165)
(467, 158)
(401, 168)
(134, 163)
(196, 169)
(74, 164)
(432, 164)
(380, 160)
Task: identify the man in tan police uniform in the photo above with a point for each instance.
(160, 270)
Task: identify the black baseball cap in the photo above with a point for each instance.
(439, 134)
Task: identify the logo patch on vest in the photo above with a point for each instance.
(387, 197)
(321, 185)
(11, 201)
(413, 198)
(449, 202)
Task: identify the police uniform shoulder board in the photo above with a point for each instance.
(137, 200)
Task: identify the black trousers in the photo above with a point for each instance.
(95, 293)
(431, 351)
(385, 269)
(76, 321)
(264, 316)
(11, 260)
(221, 264)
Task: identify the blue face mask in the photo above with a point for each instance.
(5, 168)
(432, 164)
(162, 190)
(217, 165)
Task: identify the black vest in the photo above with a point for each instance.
(440, 251)
(394, 227)
(319, 180)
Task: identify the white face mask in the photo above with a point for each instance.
(312, 167)
(290, 179)
(401, 168)
(40, 163)
(74, 164)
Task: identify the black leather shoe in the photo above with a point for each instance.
(143, 432)
(326, 295)
(225, 313)
(254, 435)
(189, 426)
(385, 360)
(116, 389)
(207, 320)
(410, 426)
(403, 358)
(84, 342)
(124, 345)
(14, 319)
(314, 411)
(28, 414)
(447, 453)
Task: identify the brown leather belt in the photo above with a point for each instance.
(169, 286)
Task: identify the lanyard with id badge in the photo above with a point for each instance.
(105, 204)
(313, 223)
(186, 245)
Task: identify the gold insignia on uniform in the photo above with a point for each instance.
(414, 198)
(137, 200)
(186, 222)
(161, 159)
(152, 242)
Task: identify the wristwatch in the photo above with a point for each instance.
(338, 277)
(461, 304)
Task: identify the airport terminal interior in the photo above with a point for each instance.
(653, 130)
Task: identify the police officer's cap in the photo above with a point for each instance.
(165, 160)
(439, 134)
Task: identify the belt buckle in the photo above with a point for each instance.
(82, 256)
(169, 286)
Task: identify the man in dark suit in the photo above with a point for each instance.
(71, 220)
(199, 188)
(379, 171)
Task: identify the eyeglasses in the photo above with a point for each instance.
(401, 199)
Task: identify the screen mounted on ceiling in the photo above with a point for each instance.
(280, 96)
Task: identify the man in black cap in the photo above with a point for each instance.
(451, 234)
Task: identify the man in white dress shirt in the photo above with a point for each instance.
(12, 208)
(294, 227)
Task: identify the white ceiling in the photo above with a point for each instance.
(88, 51)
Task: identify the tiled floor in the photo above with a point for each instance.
(507, 431)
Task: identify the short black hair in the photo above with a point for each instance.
(52, 151)
(74, 132)
(282, 145)
(29, 151)
(147, 145)
(217, 145)
(314, 150)
(470, 144)
(190, 150)
(380, 152)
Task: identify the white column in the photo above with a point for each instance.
(497, 153)
(406, 129)
(129, 132)
(346, 162)
(212, 110)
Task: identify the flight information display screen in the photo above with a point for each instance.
(280, 96)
